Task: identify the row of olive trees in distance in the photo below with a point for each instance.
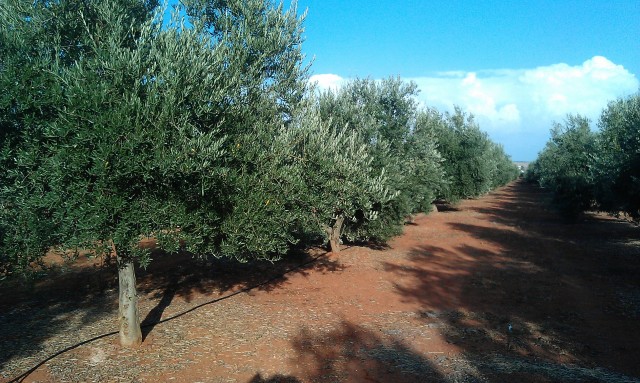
(594, 170)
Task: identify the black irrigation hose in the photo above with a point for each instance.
(20, 378)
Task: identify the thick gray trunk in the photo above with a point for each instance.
(130, 332)
(334, 235)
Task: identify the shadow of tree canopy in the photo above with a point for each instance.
(274, 379)
(183, 276)
(55, 313)
(31, 331)
(353, 353)
(549, 301)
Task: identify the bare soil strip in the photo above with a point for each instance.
(498, 289)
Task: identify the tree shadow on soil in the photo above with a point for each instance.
(46, 315)
(154, 316)
(88, 296)
(347, 352)
(274, 379)
(182, 276)
(552, 302)
(444, 207)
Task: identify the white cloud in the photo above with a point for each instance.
(327, 81)
(518, 106)
(509, 100)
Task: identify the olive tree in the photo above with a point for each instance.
(134, 129)
(384, 115)
(586, 169)
(463, 146)
(341, 191)
(617, 157)
(503, 169)
(565, 166)
(474, 165)
(261, 47)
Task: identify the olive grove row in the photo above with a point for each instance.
(594, 170)
(204, 133)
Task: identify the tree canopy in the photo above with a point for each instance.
(127, 131)
(589, 169)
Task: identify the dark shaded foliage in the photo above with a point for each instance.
(587, 170)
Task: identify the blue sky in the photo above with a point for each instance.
(516, 65)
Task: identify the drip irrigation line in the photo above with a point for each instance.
(20, 378)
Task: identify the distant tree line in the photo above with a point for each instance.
(203, 133)
(594, 170)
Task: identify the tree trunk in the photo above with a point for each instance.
(130, 332)
(334, 235)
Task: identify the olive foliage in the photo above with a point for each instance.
(564, 166)
(132, 129)
(383, 114)
(472, 163)
(588, 169)
(617, 157)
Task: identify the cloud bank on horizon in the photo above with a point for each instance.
(515, 104)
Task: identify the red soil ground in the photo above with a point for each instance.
(497, 289)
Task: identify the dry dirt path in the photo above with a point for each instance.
(496, 290)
